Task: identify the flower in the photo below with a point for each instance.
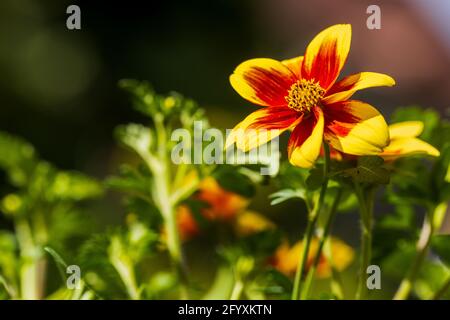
(286, 258)
(221, 204)
(250, 222)
(404, 141)
(302, 94)
(187, 225)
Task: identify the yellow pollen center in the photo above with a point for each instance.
(304, 94)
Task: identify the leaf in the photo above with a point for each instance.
(286, 194)
(441, 175)
(136, 137)
(130, 180)
(17, 158)
(410, 183)
(292, 177)
(275, 284)
(440, 244)
(369, 170)
(232, 180)
(431, 278)
(315, 178)
(73, 186)
(60, 263)
(348, 201)
(261, 244)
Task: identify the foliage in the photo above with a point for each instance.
(51, 224)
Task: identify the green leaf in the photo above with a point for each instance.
(74, 186)
(17, 158)
(441, 175)
(440, 244)
(275, 284)
(315, 178)
(431, 278)
(286, 194)
(130, 180)
(261, 244)
(369, 170)
(60, 263)
(232, 180)
(136, 137)
(292, 177)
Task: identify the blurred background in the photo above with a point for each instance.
(58, 88)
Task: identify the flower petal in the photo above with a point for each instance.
(250, 222)
(326, 54)
(345, 88)
(306, 140)
(262, 126)
(356, 128)
(263, 81)
(406, 129)
(223, 204)
(408, 146)
(295, 65)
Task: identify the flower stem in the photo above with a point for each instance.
(432, 222)
(323, 239)
(366, 202)
(237, 290)
(312, 220)
(162, 190)
(33, 266)
(445, 287)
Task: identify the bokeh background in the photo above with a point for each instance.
(58, 88)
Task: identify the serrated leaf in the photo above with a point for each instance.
(135, 136)
(369, 170)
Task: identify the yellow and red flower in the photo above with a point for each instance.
(302, 94)
(250, 222)
(286, 260)
(223, 205)
(404, 141)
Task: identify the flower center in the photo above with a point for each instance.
(304, 94)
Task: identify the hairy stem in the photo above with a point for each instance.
(312, 220)
(33, 265)
(431, 223)
(237, 290)
(163, 199)
(366, 202)
(323, 239)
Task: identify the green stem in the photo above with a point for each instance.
(237, 290)
(125, 269)
(32, 265)
(445, 287)
(163, 199)
(312, 220)
(366, 202)
(421, 252)
(323, 238)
